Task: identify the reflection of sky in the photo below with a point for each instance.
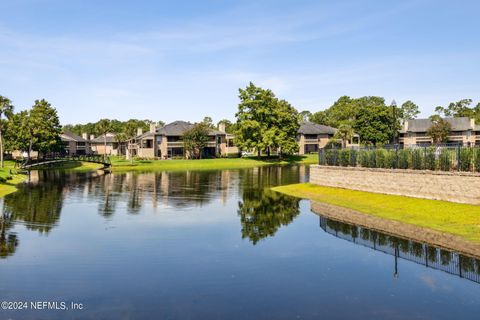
(193, 262)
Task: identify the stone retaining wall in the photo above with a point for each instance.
(462, 187)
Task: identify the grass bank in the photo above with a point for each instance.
(119, 164)
(9, 179)
(454, 218)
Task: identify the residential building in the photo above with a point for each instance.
(464, 132)
(74, 144)
(167, 142)
(312, 136)
(107, 144)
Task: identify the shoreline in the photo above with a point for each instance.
(461, 220)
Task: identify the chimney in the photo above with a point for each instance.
(405, 126)
(92, 136)
(153, 127)
(139, 131)
(85, 136)
(221, 127)
(472, 123)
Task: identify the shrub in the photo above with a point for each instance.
(465, 159)
(445, 160)
(403, 156)
(363, 158)
(477, 159)
(416, 159)
(331, 157)
(372, 161)
(380, 158)
(344, 157)
(430, 161)
(390, 159)
(353, 158)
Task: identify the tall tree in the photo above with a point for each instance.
(439, 130)
(6, 108)
(195, 140)
(208, 122)
(19, 133)
(460, 108)
(264, 122)
(305, 115)
(104, 126)
(45, 127)
(409, 110)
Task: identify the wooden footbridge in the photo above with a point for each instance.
(51, 161)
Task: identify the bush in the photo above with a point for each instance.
(380, 158)
(477, 159)
(3, 180)
(416, 159)
(445, 160)
(344, 157)
(363, 158)
(403, 156)
(390, 159)
(465, 160)
(353, 158)
(331, 157)
(430, 161)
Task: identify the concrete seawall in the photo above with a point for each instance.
(461, 187)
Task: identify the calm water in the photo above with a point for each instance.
(213, 245)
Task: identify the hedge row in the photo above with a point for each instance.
(430, 158)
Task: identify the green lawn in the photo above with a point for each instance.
(119, 164)
(458, 219)
(12, 179)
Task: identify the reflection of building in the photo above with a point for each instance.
(464, 132)
(167, 142)
(313, 136)
(402, 248)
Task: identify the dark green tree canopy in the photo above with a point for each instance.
(264, 122)
(195, 139)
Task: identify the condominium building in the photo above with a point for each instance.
(464, 132)
(312, 136)
(167, 142)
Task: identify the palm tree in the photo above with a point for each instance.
(345, 133)
(6, 108)
(103, 127)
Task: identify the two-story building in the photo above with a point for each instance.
(312, 136)
(74, 144)
(107, 144)
(167, 142)
(464, 132)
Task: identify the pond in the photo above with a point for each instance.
(212, 245)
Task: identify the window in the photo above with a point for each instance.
(231, 143)
(311, 136)
(174, 139)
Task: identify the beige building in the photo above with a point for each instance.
(167, 142)
(112, 148)
(464, 132)
(312, 136)
(75, 145)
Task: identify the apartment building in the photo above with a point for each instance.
(464, 132)
(312, 136)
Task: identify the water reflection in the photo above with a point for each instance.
(262, 212)
(38, 205)
(421, 253)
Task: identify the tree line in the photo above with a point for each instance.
(37, 128)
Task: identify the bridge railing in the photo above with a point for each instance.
(101, 159)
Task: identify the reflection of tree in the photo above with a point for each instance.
(262, 212)
(8, 240)
(38, 206)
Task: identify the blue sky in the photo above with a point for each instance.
(169, 60)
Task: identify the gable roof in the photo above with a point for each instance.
(422, 125)
(314, 128)
(70, 136)
(177, 128)
(100, 139)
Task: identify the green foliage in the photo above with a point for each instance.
(195, 139)
(416, 156)
(380, 157)
(265, 122)
(477, 159)
(466, 159)
(353, 157)
(445, 160)
(408, 110)
(344, 157)
(128, 127)
(332, 157)
(439, 130)
(430, 161)
(403, 155)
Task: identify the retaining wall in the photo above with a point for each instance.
(462, 187)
